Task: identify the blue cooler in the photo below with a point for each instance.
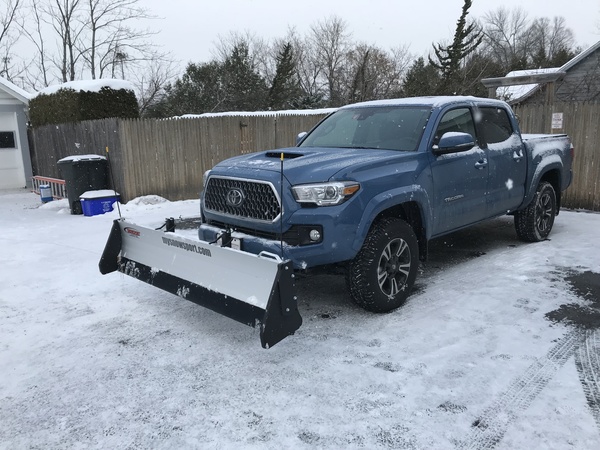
(94, 203)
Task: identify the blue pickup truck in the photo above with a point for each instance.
(366, 189)
(373, 182)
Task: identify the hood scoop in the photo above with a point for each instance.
(286, 155)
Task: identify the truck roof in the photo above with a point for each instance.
(433, 101)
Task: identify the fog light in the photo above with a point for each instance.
(315, 235)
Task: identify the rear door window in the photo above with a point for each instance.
(495, 125)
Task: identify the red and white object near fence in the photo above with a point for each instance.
(57, 186)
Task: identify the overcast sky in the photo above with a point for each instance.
(190, 28)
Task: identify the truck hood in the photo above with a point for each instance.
(307, 165)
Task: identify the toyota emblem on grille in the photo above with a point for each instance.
(235, 197)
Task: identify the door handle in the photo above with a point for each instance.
(517, 156)
(481, 164)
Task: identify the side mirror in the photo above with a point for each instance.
(300, 137)
(454, 142)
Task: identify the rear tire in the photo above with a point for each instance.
(383, 272)
(534, 223)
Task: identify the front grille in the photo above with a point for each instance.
(234, 197)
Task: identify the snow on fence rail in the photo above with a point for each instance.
(57, 186)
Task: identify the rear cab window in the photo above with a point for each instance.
(495, 124)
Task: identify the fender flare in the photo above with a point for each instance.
(550, 163)
(390, 199)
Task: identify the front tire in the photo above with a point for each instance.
(383, 272)
(534, 223)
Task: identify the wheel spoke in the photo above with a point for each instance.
(401, 248)
(394, 287)
(387, 253)
(404, 269)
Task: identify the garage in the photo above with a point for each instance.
(15, 161)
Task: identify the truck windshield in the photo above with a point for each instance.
(384, 127)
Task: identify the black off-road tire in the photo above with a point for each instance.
(534, 223)
(383, 272)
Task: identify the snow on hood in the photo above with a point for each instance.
(305, 164)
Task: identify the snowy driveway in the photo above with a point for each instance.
(497, 348)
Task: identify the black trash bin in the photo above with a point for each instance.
(83, 173)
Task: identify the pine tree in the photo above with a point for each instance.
(245, 89)
(198, 90)
(285, 90)
(420, 80)
(449, 58)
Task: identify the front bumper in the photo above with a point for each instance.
(334, 247)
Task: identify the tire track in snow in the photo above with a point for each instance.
(490, 427)
(587, 361)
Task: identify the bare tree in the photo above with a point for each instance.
(108, 42)
(401, 60)
(10, 20)
(93, 39)
(330, 40)
(151, 84)
(372, 73)
(552, 42)
(309, 71)
(34, 32)
(64, 17)
(515, 42)
(508, 37)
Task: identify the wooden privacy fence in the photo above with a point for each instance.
(165, 157)
(581, 121)
(169, 157)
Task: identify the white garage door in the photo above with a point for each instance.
(12, 173)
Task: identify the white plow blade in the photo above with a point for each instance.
(245, 287)
(233, 273)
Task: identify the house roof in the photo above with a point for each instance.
(520, 92)
(14, 90)
(516, 94)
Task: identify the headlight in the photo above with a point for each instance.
(325, 194)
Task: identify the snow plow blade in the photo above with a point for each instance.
(251, 289)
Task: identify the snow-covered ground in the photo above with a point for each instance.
(482, 356)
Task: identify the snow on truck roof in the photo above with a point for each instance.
(434, 101)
